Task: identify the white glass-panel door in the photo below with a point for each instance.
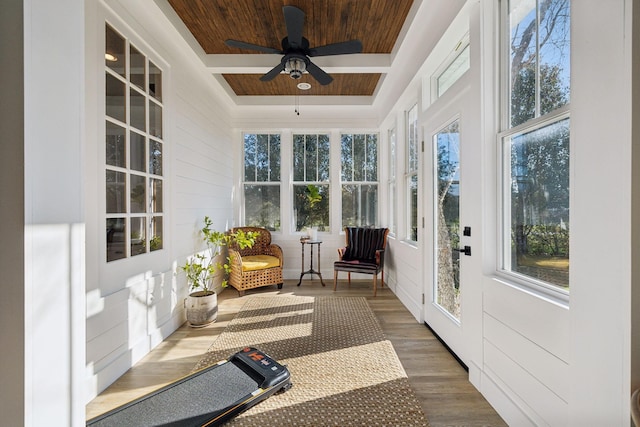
(447, 232)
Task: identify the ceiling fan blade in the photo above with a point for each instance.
(251, 46)
(273, 73)
(342, 48)
(294, 19)
(318, 74)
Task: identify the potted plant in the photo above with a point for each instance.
(202, 303)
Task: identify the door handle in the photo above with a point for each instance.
(466, 250)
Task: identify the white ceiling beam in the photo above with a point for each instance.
(261, 63)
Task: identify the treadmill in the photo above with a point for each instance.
(208, 397)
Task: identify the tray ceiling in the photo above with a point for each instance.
(376, 23)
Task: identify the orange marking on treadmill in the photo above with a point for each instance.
(255, 356)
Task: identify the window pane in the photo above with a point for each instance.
(539, 57)
(412, 233)
(371, 166)
(262, 206)
(116, 231)
(554, 54)
(262, 157)
(138, 110)
(311, 169)
(346, 157)
(454, 71)
(115, 98)
(311, 206)
(138, 147)
(114, 57)
(412, 139)
(155, 242)
(298, 157)
(155, 157)
(359, 205)
(323, 157)
(359, 157)
(250, 144)
(156, 195)
(138, 236)
(155, 119)
(155, 81)
(137, 67)
(115, 146)
(116, 192)
(138, 194)
(311, 158)
(274, 158)
(539, 204)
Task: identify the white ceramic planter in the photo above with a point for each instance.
(201, 309)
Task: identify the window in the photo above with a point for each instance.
(359, 176)
(535, 143)
(393, 194)
(411, 175)
(262, 180)
(133, 150)
(311, 181)
(457, 66)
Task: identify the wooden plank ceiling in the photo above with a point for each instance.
(376, 23)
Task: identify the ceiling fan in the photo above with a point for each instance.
(297, 52)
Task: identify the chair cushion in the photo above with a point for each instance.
(259, 262)
(356, 266)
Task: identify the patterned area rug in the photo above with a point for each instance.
(344, 372)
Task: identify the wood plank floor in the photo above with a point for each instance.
(441, 384)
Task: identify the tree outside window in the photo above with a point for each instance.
(311, 181)
(359, 176)
(536, 152)
(262, 180)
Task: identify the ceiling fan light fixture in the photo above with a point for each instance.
(295, 67)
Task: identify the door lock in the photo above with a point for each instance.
(466, 250)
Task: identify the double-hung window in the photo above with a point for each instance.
(534, 143)
(262, 180)
(411, 175)
(359, 178)
(311, 181)
(133, 150)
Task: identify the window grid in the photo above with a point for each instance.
(133, 162)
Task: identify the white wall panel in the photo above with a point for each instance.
(538, 362)
(542, 404)
(539, 320)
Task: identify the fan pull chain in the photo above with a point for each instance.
(297, 105)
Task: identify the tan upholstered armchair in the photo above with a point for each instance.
(260, 265)
(364, 253)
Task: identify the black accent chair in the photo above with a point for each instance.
(364, 253)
